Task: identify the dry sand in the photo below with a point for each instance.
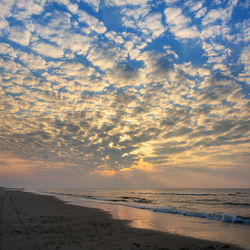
(29, 221)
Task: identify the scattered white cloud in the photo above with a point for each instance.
(245, 60)
(211, 31)
(216, 53)
(194, 6)
(171, 1)
(125, 2)
(152, 25)
(67, 3)
(131, 16)
(20, 35)
(104, 56)
(179, 24)
(26, 8)
(48, 50)
(124, 75)
(33, 62)
(223, 15)
(243, 34)
(76, 43)
(212, 16)
(6, 49)
(200, 13)
(57, 20)
(16, 89)
(113, 36)
(93, 3)
(3, 24)
(6, 8)
(92, 22)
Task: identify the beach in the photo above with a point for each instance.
(31, 221)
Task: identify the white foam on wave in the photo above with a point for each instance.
(224, 217)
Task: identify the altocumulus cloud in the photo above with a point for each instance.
(157, 85)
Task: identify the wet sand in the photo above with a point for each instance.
(29, 221)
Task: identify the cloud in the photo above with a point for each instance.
(124, 74)
(3, 24)
(245, 60)
(20, 35)
(171, 1)
(93, 3)
(216, 53)
(149, 24)
(92, 22)
(73, 43)
(216, 89)
(104, 56)
(158, 66)
(201, 12)
(223, 15)
(17, 89)
(131, 16)
(48, 50)
(56, 20)
(33, 62)
(178, 133)
(113, 36)
(152, 25)
(194, 6)
(27, 8)
(125, 2)
(6, 6)
(243, 33)
(70, 6)
(211, 31)
(113, 139)
(6, 49)
(179, 24)
(72, 69)
(212, 16)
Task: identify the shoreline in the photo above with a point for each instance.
(199, 228)
(33, 221)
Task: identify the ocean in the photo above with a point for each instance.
(213, 214)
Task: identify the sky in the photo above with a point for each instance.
(124, 93)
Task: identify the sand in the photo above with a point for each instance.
(29, 221)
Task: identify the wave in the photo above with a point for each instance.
(120, 199)
(224, 217)
(189, 194)
(136, 199)
(194, 194)
(239, 193)
(237, 204)
(210, 216)
(217, 217)
(183, 194)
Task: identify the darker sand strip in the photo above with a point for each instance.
(42, 222)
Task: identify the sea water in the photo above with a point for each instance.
(213, 214)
